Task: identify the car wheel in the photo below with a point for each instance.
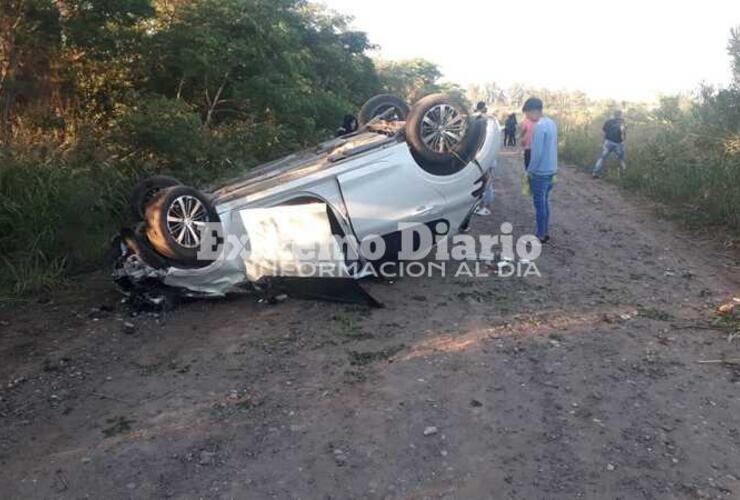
(145, 191)
(381, 104)
(442, 136)
(175, 222)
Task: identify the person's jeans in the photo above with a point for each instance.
(541, 185)
(489, 194)
(610, 147)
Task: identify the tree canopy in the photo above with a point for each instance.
(95, 94)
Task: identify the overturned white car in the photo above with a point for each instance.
(403, 167)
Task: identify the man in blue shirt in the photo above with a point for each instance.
(543, 164)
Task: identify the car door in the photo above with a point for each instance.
(388, 189)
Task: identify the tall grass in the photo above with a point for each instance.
(61, 202)
(683, 153)
(55, 213)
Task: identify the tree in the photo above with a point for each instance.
(410, 79)
(517, 93)
(29, 42)
(56, 56)
(286, 61)
(95, 94)
(733, 48)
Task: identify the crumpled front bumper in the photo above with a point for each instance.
(259, 245)
(138, 281)
(147, 278)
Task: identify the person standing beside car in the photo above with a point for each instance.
(488, 194)
(525, 139)
(543, 164)
(510, 130)
(615, 133)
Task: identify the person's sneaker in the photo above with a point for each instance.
(482, 211)
(594, 175)
(545, 239)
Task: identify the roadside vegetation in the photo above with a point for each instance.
(683, 151)
(96, 95)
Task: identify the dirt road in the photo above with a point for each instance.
(581, 383)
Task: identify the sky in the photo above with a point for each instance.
(623, 49)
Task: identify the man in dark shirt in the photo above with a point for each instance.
(615, 134)
(510, 131)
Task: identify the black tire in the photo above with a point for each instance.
(184, 246)
(478, 129)
(145, 191)
(443, 157)
(379, 104)
(454, 164)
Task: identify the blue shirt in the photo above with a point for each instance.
(544, 156)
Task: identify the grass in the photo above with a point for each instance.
(56, 215)
(654, 313)
(117, 425)
(727, 318)
(351, 327)
(677, 158)
(34, 273)
(60, 204)
(358, 358)
(731, 324)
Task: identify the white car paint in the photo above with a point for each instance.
(369, 193)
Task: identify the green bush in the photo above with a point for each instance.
(54, 215)
(166, 129)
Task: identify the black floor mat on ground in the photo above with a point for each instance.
(345, 290)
